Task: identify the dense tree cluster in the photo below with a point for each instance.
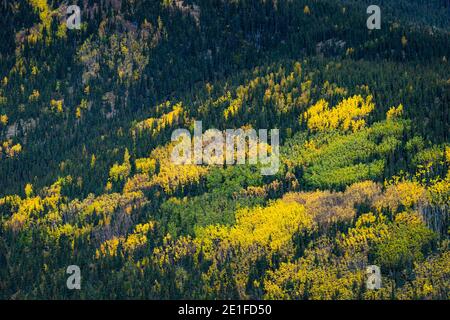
(86, 176)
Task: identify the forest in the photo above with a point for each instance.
(86, 177)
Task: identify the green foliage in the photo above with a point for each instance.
(335, 160)
(86, 118)
(404, 246)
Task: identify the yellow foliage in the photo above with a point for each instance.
(314, 277)
(45, 15)
(62, 31)
(447, 154)
(348, 115)
(298, 281)
(28, 190)
(108, 186)
(406, 193)
(328, 207)
(409, 218)
(394, 112)
(156, 125)
(108, 248)
(404, 41)
(430, 279)
(324, 206)
(17, 221)
(108, 204)
(28, 208)
(439, 192)
(93, 160)
(119, 172)
(34, 96)
(129, 244)
(8, 149)
(56, 105)
(270, 227)
(145, 165)
(363, 192)
(172, 176)
(15, 150)
(369, 228)
(139, 237)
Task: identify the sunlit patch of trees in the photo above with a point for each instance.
(86, 175)
(348, 115)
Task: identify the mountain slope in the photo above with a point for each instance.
(85, 171)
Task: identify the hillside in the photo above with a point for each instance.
(87, 179)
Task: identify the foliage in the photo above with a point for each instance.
(86, 175)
